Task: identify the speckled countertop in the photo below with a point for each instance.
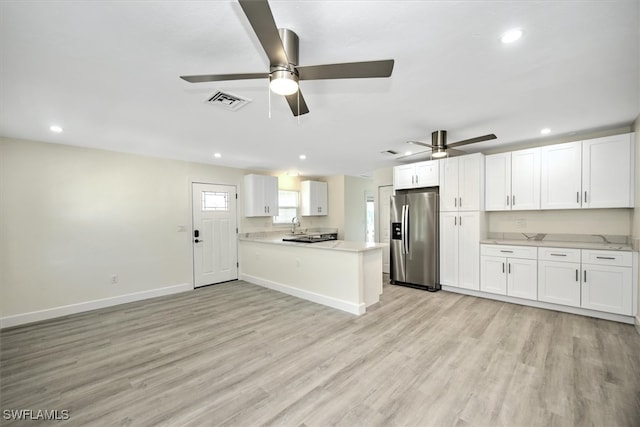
(577, 241)
(276, 237)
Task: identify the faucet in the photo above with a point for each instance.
(295, 222)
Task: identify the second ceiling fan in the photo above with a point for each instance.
(281, 47)
(440, 147)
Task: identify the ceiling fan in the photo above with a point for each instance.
(281, 47)
(440, 148)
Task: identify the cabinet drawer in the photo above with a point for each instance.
(619, 258)
(527, 252)
(559, 254)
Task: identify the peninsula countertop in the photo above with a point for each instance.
(337, 245)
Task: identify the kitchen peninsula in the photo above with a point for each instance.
(340, 274)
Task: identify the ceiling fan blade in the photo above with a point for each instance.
(261, 19)
(424, 144)
(412, 154)
(293, 104)
(223, 77)
(453, 152)
(347, 70)
(472, 140)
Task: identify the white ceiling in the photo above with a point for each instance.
(107, 72)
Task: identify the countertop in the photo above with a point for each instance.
(559, 244)
(336, 245)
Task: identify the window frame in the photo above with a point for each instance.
(280, 206)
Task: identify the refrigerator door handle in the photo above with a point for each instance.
(405, 228)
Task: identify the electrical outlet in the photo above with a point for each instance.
(114, 279)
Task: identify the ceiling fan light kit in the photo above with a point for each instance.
(282, 49)
(440, 148)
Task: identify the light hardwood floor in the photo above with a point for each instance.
(240, 355)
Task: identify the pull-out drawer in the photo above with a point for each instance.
(559, 254)
(526, 252)
(616, 258)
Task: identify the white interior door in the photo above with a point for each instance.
(384, 213)
(215, 247)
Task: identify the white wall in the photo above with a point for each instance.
(72, 217)
(355, 189)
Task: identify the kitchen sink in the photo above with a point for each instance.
(311, 238)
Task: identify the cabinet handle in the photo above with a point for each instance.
(585, 197)
(507, 200)
(513, 200)
(503, 267)
(509, 265)
(460, 202)
(605, 257)
(455, 202)
(507, 252)
(460, 221)
(585, 276)
(558, 254)
(576, 274)
(455, 220)
(416, 179)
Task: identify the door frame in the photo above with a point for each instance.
(190, 230)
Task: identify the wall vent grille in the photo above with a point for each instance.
(228, 101)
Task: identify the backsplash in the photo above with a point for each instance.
(583, 238)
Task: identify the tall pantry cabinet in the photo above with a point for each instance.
(461, 220)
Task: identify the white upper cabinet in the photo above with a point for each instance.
(313, 198)
(462, 183)
(260, 195)
(607, 172)
(513, 180)
(416, 175)
(561, 176)
(596, 173)
(498, 182)
(525, 179)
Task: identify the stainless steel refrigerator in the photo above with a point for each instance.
(414, 239)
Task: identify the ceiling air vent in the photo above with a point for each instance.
(391, 152)
(228, 101)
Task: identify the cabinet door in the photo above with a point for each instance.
(493, 277)
(525, 179)
(559, 282)
(427, 174)
(498, 182)
(469, 250)
(471, 182)
(561, 176)
(271, 195)
(607, 288)
(403, 177)
(321, 195)
(449, 184)
(522, 278)
(449, 248)
(254, 202)
(607, 172)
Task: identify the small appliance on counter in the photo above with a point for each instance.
(414, 239)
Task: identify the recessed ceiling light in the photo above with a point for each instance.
(55, 128)
(511, 36)
(545, 131)
(217, 155)
(302, 157)
(407, 153)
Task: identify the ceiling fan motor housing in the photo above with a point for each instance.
(439, 139)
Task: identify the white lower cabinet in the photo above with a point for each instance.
(607, 281)
(460, 249)
(509, 270)
(559, 278)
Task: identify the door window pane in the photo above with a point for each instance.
(215, 201)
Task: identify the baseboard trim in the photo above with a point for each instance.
(336, 303)
(637, 324)
(51, 313)
(546, 305)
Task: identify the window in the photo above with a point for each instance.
(214, 201)
(287, 207)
